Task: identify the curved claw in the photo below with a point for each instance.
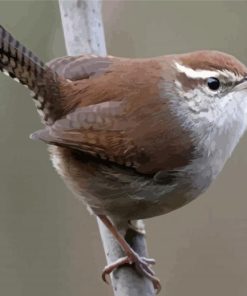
(143, 268)
(149, 273)
(141, 265)
(109, 268)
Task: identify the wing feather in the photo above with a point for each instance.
(115, 119)
(80, 67)
(100, 130)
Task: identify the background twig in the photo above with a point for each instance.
(83, 31)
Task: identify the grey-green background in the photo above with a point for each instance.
(49, 244)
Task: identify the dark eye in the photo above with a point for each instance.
(213, 83)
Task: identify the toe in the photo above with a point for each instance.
(112, 266)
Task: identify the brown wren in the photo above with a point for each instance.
(134, 138)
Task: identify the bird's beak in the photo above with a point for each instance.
(242, 84)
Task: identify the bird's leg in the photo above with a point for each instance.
(137, 226)
(141, 263)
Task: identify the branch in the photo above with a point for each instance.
(84, 33)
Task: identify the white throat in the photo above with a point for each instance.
(216, 131)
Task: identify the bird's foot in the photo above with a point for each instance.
(142, 265)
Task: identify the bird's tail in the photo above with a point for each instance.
(22, 65)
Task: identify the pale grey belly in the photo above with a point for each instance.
(121, 192)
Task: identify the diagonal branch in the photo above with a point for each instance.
(83, 31)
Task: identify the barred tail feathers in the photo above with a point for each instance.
(21, 64)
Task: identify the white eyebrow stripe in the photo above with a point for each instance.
(231, 75)
(197, 74)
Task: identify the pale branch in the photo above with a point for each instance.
(84, 33)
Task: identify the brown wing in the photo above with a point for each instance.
(119, 115)
(100, 130)
(81, 67)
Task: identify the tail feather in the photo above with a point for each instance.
(18, 61)
(25, 67)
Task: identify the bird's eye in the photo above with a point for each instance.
(213, 83)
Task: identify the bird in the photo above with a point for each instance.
(134, 138)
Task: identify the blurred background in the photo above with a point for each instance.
(49, 244)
